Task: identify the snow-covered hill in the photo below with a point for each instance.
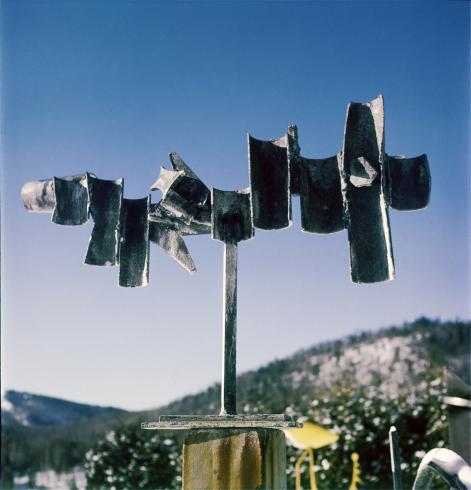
(21, 409)
(357, 387)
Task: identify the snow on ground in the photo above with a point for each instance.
(51, 480)
(391, 363)
(15, 413)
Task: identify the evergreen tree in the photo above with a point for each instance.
(132, 458)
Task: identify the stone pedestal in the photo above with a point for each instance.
(234, 459)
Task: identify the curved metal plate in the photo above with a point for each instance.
(38, 196)
(105, 209)
(269, 184)
(172, 242)
(365, 206)
(231, 216)
(409, 182)
(178, 164)
(320, 195)
(134, 244)
(72, 201)
(183, 194)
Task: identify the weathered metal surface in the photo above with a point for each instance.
(408, 182)
(231, 215)
(172, 242)
(38, 196)
(395, 459)
(294, 155)
(458, 402)
(369, 179)
(269, 183)
(71, 198)
(453, 469)
(320, 195)
(222, 421)
(365, 206)
(166, 180)
(229, 311)
(178, 164)
(105, 209)
(234, 460)
(159, 214)
(134, 249)
(183, 194)
(231, 222)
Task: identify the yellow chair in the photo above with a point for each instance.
(312, 436)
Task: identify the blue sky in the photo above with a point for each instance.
(113, 87)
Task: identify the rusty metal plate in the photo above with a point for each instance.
(134, 247)
(408, 182)
(366, 212)
(320, 195)
(105, 209)
(269, 183)
(231, 217)
(71, 198)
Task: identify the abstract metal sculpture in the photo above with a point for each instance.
(351, 190)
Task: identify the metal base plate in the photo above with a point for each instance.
(269, 421)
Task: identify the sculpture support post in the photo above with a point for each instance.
(229, 382)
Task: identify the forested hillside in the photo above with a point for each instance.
(356, 387)
(29, 410)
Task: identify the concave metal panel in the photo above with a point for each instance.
(365, 205)
(134, 244)
(320, 195)
(183, 194)
(105, 209)
(190, 199)
(269, 184)
(231, 217)
(71, 198)
(409, 182)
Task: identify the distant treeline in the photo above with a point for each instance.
(444, 344)
(271, 389)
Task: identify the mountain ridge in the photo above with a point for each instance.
(24, 409)
(356, 386)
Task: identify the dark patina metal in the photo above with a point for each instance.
(71, 200)
(320, 195)
(231, 216)
(105, 209)
(269, 183)
(134, 249)
(365, 206)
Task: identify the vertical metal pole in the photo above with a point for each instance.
(395, 458)
(229, 383)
